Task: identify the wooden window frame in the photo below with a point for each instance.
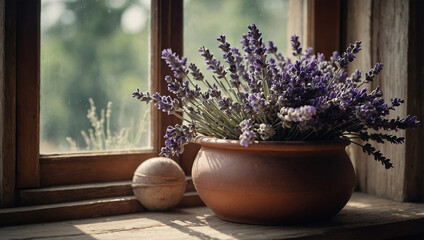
(34, 170)
(23, 167)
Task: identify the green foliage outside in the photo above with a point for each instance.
(91, 57)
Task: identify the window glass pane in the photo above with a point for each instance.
(93, 55)
(205, 20)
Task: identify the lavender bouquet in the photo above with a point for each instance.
(260, 95)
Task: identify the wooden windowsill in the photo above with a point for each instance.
(364, 217)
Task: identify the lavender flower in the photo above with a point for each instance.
(257, 102)
(168, 105)
(272, 48)
(145, 97)
(212, 63)
(195, 72)
(369, 76)
(177, 137)
(254, 96)
(300, 114)
(247, 136)
(349, 55)
(295, 45)
(214, 92)
(225, 104)
(175, 63)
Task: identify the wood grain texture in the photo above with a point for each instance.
(70, 193)
(414, 167)
(78, 169)
(167, 25)
(74, 193)
(82, 209)
(359, 29)
(59, 170)
(7, 102)
(365, 217)
(67, 211)
(2, 98)
(389, 17)
(389, 32)
(28, 92)
(324, 26)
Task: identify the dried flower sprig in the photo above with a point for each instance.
(262, 95)
(100, 137)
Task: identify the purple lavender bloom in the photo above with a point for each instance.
(172, 148)
(144, 97)
(225, 104)
(349, 56)
(245, 42)
(177, 137)
(295, 44)
(272, 48)
(308, 53)
(396, 102)
(257, 102)
(355, 77)
(224, 46)
(377, 68)
(156, 97)
(195, 72)
(214, 92)
(309, 98)
(177, 65)
(166, 152)
(193, 94)
(369, 76)
(171, 132)
(247, 136)
(254, 32)
(398, 123)
(233, 58)
(237, 57)
(168, 105)
(174, 87)
(212, 63)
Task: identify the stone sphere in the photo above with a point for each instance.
(159, 183)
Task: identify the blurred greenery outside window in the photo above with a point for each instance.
(94, 53)
(97, 51)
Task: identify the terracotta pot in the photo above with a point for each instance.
(273, 182)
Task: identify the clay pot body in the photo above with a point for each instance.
(273, 182)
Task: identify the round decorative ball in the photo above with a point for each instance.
(159, 183)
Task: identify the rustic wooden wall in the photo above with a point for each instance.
(414, 169)
(384, 27)
(7, 103)
(1, 94)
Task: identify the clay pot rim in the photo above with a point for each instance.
(207, 141)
